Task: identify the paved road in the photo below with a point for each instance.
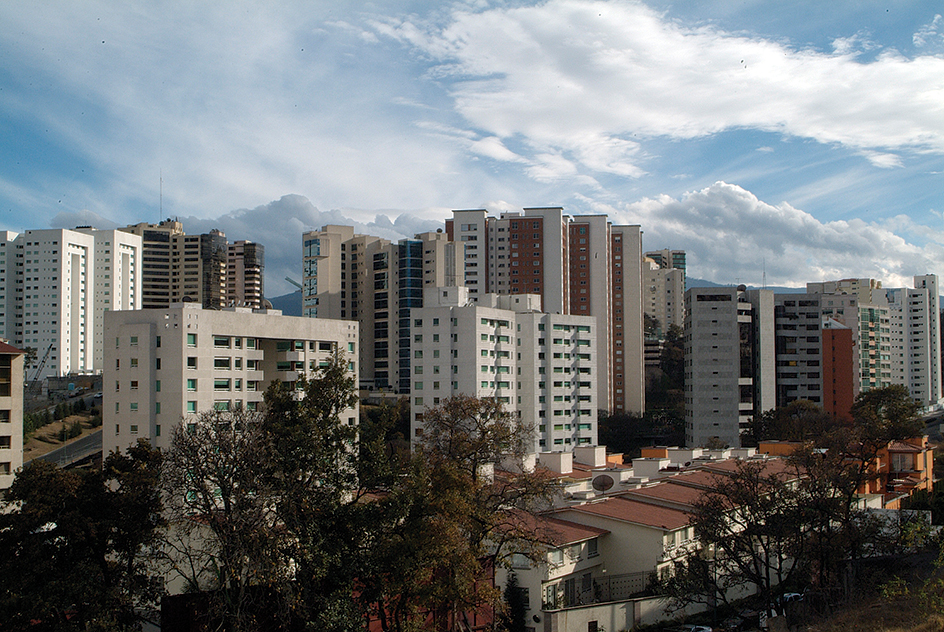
(75, 451)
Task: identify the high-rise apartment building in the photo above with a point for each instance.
(11, 413)
(730, 365)
(839, 374)
(55, 287)
(543, 366)
(377, 283)
(862, 305)
(580, 265)
(576, 265)
(817, 358)
(915, 347)
(164, 366)
(245, 265)
(180, 267)
(668, 260)
(663, 288)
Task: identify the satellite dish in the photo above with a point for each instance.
(603, 482)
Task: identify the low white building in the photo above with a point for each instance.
(543, 367)
(163, 366)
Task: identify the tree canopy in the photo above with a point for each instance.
(76, 545)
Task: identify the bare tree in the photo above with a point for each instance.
(224, 537)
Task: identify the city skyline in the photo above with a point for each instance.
(807, 149)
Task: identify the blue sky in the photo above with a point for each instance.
(805, 138)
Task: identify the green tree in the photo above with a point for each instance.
(320, 496)
(516, 609)
(76, 543)
(800, 420)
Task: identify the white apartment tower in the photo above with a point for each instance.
(580, 265)
(164, 366)
(730, 370)
(664, 288)
(862, 305)
(57, 285)
(915, 348)
(375, 282)
(544, 366)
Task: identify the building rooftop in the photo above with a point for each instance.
(636, 512)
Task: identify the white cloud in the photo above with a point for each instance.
(883, 160)
(931, 35)
(730, 235)
(572, 76)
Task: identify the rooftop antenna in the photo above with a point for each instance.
(162, 195)
(765, 273)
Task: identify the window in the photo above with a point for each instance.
(134, 341)
(221, 385)
(592, 548)
(134, 385)
(6, 441)
(191, 363)
(556, 557)
(191, 385)
(221, 363)
(191, 340)
(220, 341)
(134, 363)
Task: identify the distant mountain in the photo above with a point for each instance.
(691, 282)
(290, 304)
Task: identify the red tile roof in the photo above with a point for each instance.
(636, 512)
(8, 349)
(679, 494)
(554, 531)
(901, 446)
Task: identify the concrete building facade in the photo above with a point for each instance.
(164, 366)
(914, 331)
(730, 362)
(542, 366)
(57, 285)
(375, 282)
(664, 289)
(11, 413)
(245, 274)
(581, 265)
(180, 267)
(862, 305)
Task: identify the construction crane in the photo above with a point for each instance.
(36, 381)
(294, 282)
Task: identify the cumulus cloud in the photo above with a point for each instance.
(930, 36)
(278, 226)
(730, 235)
(573, 78)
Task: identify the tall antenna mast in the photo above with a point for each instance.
(162, 195)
